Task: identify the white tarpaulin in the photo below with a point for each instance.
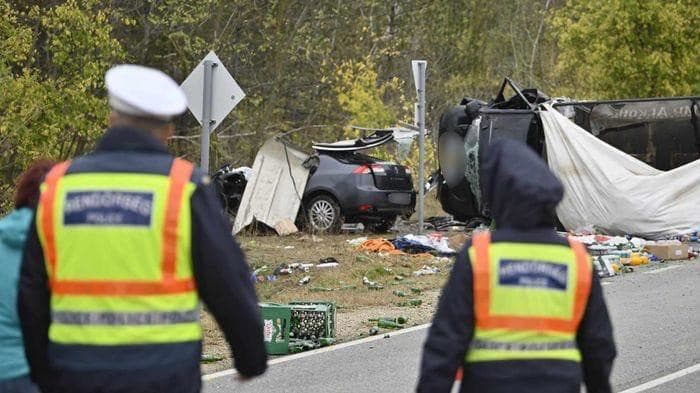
(614, 191)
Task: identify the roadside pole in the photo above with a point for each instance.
(419, 67)
(207, 122)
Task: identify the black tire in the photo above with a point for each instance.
(323, 215)
(476, 222)
(383, 226)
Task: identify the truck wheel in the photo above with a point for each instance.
(323, 214)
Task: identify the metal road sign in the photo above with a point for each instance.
(212, 93)
(225, 92)
(416, 66)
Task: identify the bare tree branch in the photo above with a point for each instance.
(536, 42)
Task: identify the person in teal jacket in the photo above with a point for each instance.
(14, 371)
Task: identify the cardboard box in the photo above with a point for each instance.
(668, 251)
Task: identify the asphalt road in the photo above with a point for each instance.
(656, 316)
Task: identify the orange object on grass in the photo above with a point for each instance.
(377, 245)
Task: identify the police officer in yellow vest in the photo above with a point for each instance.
(523, 310)
(125, 243)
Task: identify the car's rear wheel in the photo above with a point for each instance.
(323, 214)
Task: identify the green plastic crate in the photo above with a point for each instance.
(325, 310)
(276, 324)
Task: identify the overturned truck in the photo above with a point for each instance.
(661, 132)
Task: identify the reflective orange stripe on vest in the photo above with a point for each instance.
(47, 200)
(180, 174)
(482, 293)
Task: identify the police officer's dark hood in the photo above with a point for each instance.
(518, 187)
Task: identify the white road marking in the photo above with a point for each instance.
(605, 282)
(660, 381)
(637, 389)
(331, 348)
(661, 270)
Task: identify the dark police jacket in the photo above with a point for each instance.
(521, 193)
(221, 276)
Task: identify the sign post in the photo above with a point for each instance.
(212, 93)
(419, 67)
(206, 114)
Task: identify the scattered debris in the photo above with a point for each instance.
(410, 303)
(617, 254)
(604, 267)
(285, 227)
(208, 358)
(444, 223)
(389, 324)
(357, 241)
(257, 275)
(432, 242)
(426, 270)
(668, 249)
(327, 262)
(614, 241)
(400, 320)
(283, 270)
(305, 280)
(353, 228)
(371, 284)
(412, 247)
(377, 245)
(373, 331)
(296, 345)
(399, 293)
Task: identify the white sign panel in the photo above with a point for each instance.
(416, 72)
(226, 93)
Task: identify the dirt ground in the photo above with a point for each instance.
(342, 285)
(356, 303)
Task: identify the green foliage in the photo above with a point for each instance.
(52, 66)
(317, 67)
(628, 48)
(363, 97)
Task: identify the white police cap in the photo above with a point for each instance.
(144, 92)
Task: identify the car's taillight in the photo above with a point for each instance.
(362, 170)
(366, 169)
(377, 168)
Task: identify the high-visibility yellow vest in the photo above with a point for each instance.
(117, 248)
(528, 300)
